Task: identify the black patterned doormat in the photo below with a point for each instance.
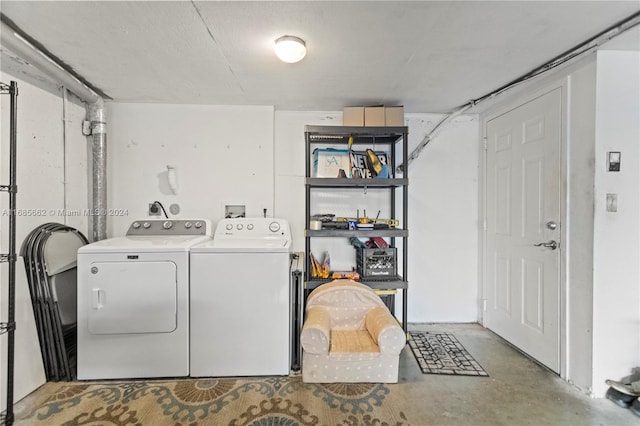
(442, 353)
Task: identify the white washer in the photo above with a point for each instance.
(240, 316)
(133, 301)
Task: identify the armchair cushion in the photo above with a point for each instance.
(352, 341)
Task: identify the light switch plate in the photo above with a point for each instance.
(612, 202)
(613, 161)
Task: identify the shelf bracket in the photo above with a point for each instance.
(5, 89)
(4, 257)
(9, 188)
(6, 327)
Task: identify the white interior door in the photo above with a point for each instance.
(522, 252)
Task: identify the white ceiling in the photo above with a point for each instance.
(431, 56)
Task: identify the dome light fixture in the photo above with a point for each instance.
(290, 49)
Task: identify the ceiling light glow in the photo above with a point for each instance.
(290, 49)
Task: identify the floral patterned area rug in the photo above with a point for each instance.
(442, 353)
(273, 401)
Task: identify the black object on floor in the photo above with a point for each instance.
(442, 353)
(635, 407)
(621, 399)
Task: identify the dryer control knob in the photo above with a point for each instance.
(167, 224)
(146, 225)
(136, 225)
(188, 225)
(198, 225)
(239, 226)
(274, 227)
(250, 226)
(229, 227)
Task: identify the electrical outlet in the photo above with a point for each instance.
(154, 209)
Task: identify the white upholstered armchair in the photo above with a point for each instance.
(349, 335)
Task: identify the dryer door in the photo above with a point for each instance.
(132, 297)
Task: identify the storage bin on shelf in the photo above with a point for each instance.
(377, 263)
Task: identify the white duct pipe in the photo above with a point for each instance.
(17, 44)
(12, 41)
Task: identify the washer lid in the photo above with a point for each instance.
(276, 245)
(147, 244)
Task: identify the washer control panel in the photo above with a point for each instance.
(170, 227)
(253, 227)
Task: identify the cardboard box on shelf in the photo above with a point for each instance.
(394, 116)
(353, 116)
(374, 116)
(328, 162)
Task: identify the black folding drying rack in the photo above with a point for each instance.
(9, 327)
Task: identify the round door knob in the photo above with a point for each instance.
(552, 225)
(167, 224)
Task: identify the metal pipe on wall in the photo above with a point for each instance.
(9, 327)
(13, 41)
(97, 118)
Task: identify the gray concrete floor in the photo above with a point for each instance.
(518, 392)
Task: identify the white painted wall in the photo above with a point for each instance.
(289, 166)
(41, 189)
(603, 295)
(616, 273)
(443, 221)
(579, 226)
(443, 215)
(223, 155)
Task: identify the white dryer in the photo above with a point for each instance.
(240, 307)
(133, 301)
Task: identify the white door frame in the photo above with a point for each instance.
(486, 116)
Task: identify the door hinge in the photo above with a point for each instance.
(484, 224)
(484, 143)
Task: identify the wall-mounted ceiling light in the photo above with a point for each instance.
(290, 49)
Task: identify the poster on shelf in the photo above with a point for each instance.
(327, 163)
(359, 163)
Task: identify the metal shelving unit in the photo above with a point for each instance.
(316, 136)
(9, 326)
